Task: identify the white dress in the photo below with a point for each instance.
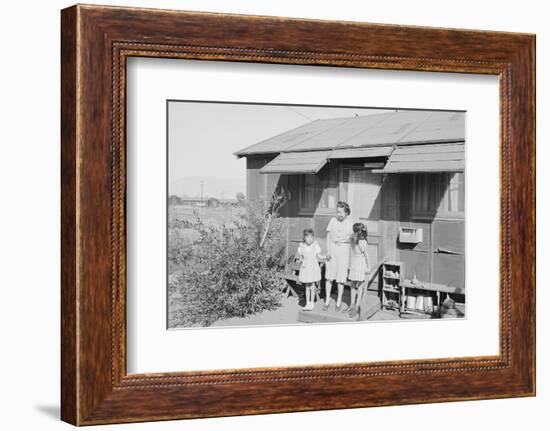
(309, 271)
(338, 266)
(358, 264)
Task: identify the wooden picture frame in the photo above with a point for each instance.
(96, 41)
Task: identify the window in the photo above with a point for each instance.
(318, 192)
(426, 193)
(439, 194)
(453, 201)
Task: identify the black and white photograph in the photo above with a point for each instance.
(299, 214)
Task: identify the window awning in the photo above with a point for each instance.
(426, 158)
(360, 153)
(305, 162)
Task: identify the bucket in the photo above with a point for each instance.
(419, 303)
(428, 304)
(411, 302)
(448, 308)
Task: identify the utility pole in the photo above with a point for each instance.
(202, 189)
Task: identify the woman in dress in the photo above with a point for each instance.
(339, 234)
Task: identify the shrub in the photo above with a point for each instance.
(236, 268)
(180, 245)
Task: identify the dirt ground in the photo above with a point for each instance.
(287, 314)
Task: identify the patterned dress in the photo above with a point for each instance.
(340, 233)
(358, 264)
(309, 271)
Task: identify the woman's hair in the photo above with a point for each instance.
(360, 231)
(307, 232)
(344, 205)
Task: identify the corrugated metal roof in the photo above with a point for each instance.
(426, 158)
(308, 162)
(393, 128)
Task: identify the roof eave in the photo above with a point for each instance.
(240, 154)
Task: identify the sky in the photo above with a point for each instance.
(203, 136)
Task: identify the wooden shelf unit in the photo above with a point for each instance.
(391, 280)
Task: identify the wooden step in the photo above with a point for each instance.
(371, 305)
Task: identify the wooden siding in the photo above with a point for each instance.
(389, 225)
(449, 270)
(256, 182)
(438, 258)
(443, 234)
(448, 252)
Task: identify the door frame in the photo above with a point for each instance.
(372, 239)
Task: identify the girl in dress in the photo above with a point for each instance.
(359, 267)
(309, 253)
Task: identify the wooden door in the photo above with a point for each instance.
(361, 190)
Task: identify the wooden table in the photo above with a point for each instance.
(430, 287)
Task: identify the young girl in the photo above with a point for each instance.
(359, 267)
(309, 253)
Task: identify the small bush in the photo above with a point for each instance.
(180, 246)
(236, 268)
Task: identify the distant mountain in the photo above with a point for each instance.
(220, 188)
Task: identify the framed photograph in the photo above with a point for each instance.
(331, 212)
(259, 216)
